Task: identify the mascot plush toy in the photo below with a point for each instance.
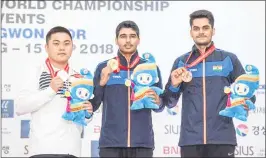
(80, 91)
(142, 79)
(240, 93)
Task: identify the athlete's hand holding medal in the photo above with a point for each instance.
(180, 75)
(111, 66)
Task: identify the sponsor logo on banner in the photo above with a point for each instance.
(173, 111)
(242, 130)
(171, 129)
(5, 149)
(244, 151)
(24, 128)
(261, 89)
(171, 150)
(258, 130)
(7, 108)
(94, 148)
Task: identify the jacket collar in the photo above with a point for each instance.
(123, 60)
(195, 50)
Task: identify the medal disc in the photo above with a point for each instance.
(187, 76)
(113, 64)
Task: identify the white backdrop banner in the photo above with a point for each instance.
(164, 31)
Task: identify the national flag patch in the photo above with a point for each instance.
(217, 68)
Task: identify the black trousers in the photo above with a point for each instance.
(208, 150)
(53, 156)
(126, 152)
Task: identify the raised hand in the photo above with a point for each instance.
(106, 71)
(177, 75)
(56, 83)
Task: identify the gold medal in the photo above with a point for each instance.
(113, 64)
(127, 82)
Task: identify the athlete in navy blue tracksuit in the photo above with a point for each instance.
(124, 133)
(204, 133)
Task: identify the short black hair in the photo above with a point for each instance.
(127, 24)
(202, 14)
(56, 30)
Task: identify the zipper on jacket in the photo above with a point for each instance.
(204, 103)
(128, 111)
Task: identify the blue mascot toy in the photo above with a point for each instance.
(240, 93)
(81, 90)
(142, 79)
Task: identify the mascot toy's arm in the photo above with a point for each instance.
(157, 90)
(250, 104)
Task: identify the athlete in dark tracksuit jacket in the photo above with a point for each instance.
(124, 132)
(204, 133)
(122, 127)
(202, 99)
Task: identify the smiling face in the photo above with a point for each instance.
(241, 89)
(144, 79)
(83, 93)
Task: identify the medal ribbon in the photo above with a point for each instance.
(51, 70)
(122, 67)
(200, 58)
(53, 74)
